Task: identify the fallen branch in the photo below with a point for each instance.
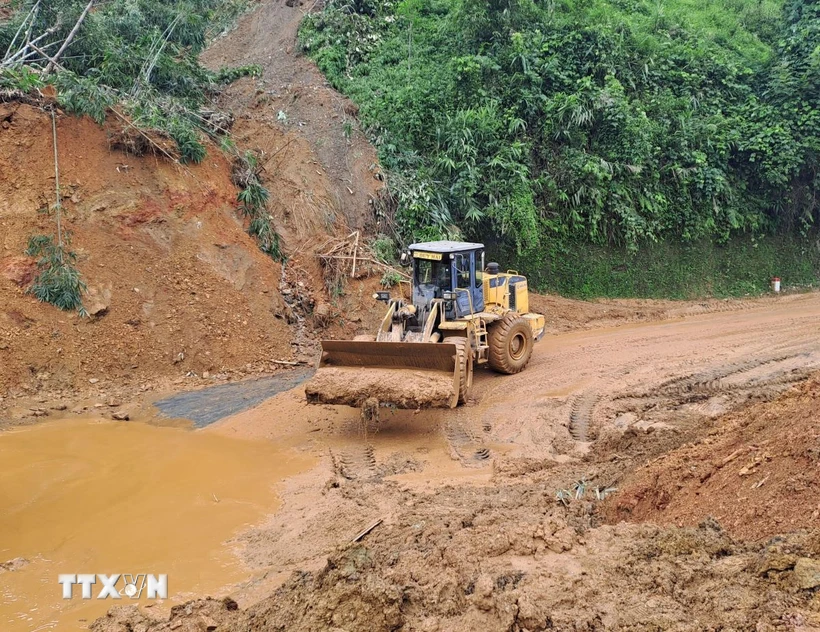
(144, 135)
(286, 363)
(37, 49)
(367, 530)
(21, 54)
(70, 37)
(375, 262)
(59, 206)
(285, 146)
(22, 24)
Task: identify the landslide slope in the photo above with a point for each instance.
(177, 283)
(181, 288)
(291, 111)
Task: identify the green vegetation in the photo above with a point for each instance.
(673, 270)
(595, 137)
(140, 54)
(253, 199)
(58, 281)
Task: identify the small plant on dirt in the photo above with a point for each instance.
(564, 497)
(58, 281)
(225, 76)
(390, 278)
(578, 490)
(384, 249)
(253, 199)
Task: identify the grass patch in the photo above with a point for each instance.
(738, 268)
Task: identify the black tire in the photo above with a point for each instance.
(510, 344)
(465, 366)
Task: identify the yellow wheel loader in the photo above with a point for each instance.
(461, 314)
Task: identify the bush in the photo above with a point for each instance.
(253, 201)
(58, 282)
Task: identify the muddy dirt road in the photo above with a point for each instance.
(667, 379)
(492, 516)
(583, 386)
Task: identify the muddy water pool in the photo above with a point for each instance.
(102, 497)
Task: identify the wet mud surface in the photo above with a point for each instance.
(495, 515)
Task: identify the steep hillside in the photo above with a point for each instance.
(175, 285)
(174, 281)
(290, 106)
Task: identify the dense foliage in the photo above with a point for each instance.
(140, 53)
(609, 122)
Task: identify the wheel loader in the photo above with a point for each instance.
(461, 314)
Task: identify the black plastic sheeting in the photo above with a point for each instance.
(208, 405)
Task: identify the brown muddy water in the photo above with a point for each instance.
(102, 497)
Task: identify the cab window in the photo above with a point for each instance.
(462, 270)
(433, 273)
(479, 273)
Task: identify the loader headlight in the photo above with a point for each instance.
(382, 296)
(448, 296)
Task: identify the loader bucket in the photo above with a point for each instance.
(404, 374)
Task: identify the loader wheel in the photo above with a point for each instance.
(465, 366)
(510, 344)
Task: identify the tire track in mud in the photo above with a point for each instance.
(355, 463)
(580, 416)
(466, 443)
(710, 381)
(736, 382)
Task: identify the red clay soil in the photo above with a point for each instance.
(178, 284)
(756, 474)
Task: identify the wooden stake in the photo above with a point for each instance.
(58, 207)
(355, 251)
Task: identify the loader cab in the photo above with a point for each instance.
(449, 270)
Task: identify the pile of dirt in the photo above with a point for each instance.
(756, 473)
(175, 285)
(402, 387)
(508, 557)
